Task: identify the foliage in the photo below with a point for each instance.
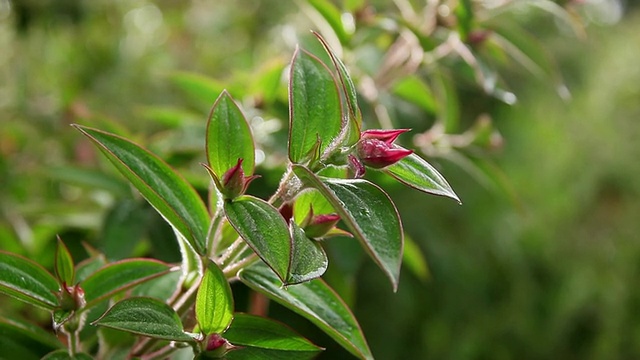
(443, 70)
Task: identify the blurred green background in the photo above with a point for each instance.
(546, 269)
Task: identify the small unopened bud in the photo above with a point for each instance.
(377, 150)
(71, 297)
(234, 183)
(321, 225)
(216, 347)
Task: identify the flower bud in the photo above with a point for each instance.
(71, 297)
(234, 183)
(380, 152)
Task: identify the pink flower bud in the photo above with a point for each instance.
(234, 183)
(387, 136)
(320, 225)
(378, 153)
(215, 341)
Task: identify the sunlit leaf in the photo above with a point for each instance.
(315, 301)
(27, 281)
(228, 137)
(417, 173)
(145, 316)
(214, 301)
(172, 196)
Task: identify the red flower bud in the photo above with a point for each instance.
(377, 150)
(320, 225)
(387, 136)
(234, 183)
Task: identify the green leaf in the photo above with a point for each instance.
(264, 229)
(89, 178)
(172, 196)
(64, 355)
(33, 337)
(414, 260)
(308, 199)
(229, 137)
(348, 92)
(27, 281)
(416, 91)
(145, 316)
(308, 260)
(315, 109)
(120, 276)
(417, 173)
(256, 331)
(333, 17)
(63, 264)
(87, 267)
(214, 301)
(370, 215)
(315, 301)
(200, 88)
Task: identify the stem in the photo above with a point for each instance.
(232, 270)
(231, 251)
(212, 233)
(73, 342)
(281, 195)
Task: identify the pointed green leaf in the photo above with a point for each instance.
(145, 316)
(314, 106)
(348, 92)
(308, 261)
(315, 301)
(27, 281)
(33, 336)
(256, 331)
(229, 137)
(417, 173)
(214, 301)
(264, 229)
(200, 88)
(64, 264)
(370, 215)
(172, 196)
(119, 276)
